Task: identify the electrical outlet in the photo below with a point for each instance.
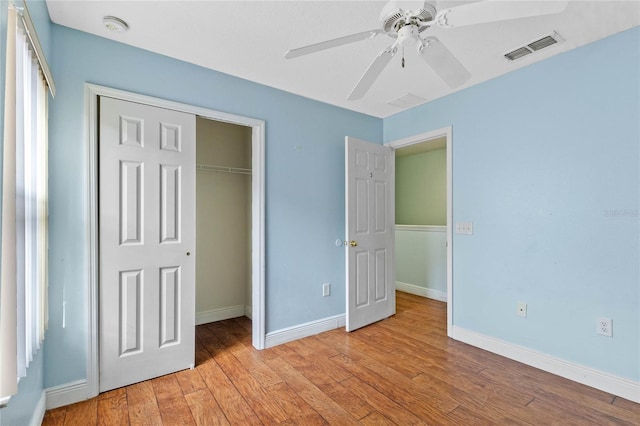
(326, 289)
(522, 310)
(604, 326)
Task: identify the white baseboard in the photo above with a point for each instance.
(248, 312)
(219, 314)
(38, 412)
(289, 334)
(421, 291)
(606, 382)
(69, 393)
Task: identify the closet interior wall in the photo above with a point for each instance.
(223, 221)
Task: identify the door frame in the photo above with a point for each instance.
(445, 132)
(92, 93)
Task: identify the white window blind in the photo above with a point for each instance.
(23, 283)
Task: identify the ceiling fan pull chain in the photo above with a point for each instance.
(402, 56)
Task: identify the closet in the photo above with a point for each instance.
(223, 221)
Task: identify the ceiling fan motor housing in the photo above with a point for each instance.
(397, 14)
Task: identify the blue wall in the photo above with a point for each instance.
(546, 165)
(22, 405)
(304, 183)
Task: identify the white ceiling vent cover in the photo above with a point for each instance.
(407, 101)
(534, 46)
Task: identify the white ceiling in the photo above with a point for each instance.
(248, 39)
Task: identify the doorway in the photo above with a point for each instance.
(440, 138)
(421, 219)
(257, 256)
(223, 221)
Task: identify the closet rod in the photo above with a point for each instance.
(223, 169)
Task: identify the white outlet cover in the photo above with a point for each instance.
(326, 289)
(522, 310)
(604, 326)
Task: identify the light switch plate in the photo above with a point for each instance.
(465, 228)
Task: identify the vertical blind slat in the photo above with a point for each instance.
(8, 317)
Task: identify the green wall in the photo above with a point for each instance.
(421, 188)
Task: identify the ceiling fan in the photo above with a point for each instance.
(407, 21)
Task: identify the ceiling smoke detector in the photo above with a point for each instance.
(114, 24)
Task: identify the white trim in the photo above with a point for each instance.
(421, 291)
(258, 291)
(39, 410)
(421, 228)
(69, 393)
(446, 132)
(91, 133)
(606, 382)
(248, 312)
(92, 92)
(219, 314)
(312, 328)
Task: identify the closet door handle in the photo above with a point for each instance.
(188, 253)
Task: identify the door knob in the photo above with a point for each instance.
(188, 253)
(353, 243)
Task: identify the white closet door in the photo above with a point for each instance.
(147, 239)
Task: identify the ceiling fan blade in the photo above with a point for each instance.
(443, 62)
(372, 73)
(294, 53)
(497, 10)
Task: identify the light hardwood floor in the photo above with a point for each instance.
(403, 370)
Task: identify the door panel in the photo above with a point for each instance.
(370, 217)
(131, 202)
(169, 305)
(169, 203)
(147, 234)
(131, 306)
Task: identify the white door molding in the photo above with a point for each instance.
(92, 92)
(445, 132)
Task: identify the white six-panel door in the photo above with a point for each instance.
(147, 242)
(369, 223)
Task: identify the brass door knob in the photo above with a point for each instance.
(353, 243)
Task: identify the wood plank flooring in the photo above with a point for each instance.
(403, 370)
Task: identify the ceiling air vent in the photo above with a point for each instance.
(518, 53)
(542, 43)
(407, 101)
(534, 46)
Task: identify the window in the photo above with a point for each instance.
(23, 283)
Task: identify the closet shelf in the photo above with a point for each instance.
(222, 169)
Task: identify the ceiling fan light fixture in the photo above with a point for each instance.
(394, 16)
(114, 24)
